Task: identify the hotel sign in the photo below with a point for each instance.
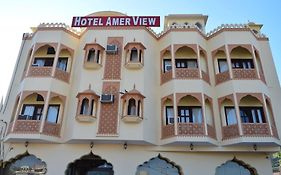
(113, 21)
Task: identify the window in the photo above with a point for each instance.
(169, 115)
(134, 55)
(84, 107)
(43, 62)
(53, 113)
(167, 66)
(223, 67)
(230, 115)
(31, 112)
(186, 63)
(188, 114)
(132, 110)
(242, 63)
(252, 115)
(50, 51)
(91, 55)
(62, 63)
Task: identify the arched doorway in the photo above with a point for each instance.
(235, 167)
(89, 164)
(159, 166)
(24, 164)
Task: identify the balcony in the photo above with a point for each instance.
(40, 72)
(62, 75)
(256, 129)
(26, 126)
(244, 74)
(51, 129)
(187, 73)
(229, 132)
(191, 129)
(222, 77)
(166, 76)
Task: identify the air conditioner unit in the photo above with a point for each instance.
(107, 98)
(111, 49)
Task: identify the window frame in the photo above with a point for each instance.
(184, 63)
(58, 112)
(219, 67)
(238, 63)
(226, 116)
(166, 65)
(188, 118)
(59, 61)
(248, 117)
(35, 115)
(169, 120)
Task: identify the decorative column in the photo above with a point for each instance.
(45, 110)
(267, 114)
(255, 62)
(198, 61)
(56, 59)
(204, 114)
(228, 62)
(175, 113)
(30, 60)
(237, 111)
(173, 62)
(17, 111)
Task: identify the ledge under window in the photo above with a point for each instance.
(132, 119)
(133, 65)
(85, 118)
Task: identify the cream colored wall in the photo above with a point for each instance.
(125, 162)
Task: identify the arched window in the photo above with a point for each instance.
(91, 55)
(134, 55)
(84, 107)
(132, 107)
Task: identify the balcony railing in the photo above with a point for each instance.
(40, 71)
(211, 131)
(165, 77)
(26, 126)
(52, 129)
(205, 77)
(168, 131)
(230, 131)
(187, 73)
(244, 74)
(222, 77)
(255, 129)
(62, 75)
(191, 129)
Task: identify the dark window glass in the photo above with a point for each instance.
(53, 113)
(51, 50)
(223, 67)
(31, 112)
(252, 115)
(84, 107)
(189, 114)
(167, 66)
(230, 115)
(43, 62)
(62, 63)
(186, 63)
(134, 55)
(132, 110)
(242, 63)
(91, 55)
(140, 55)
(169, 115)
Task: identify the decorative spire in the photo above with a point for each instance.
(95, 40)
(134, 86)
(90, 86)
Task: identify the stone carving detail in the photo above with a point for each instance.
(165, 77)
(27, 126)
(230, 131)
(191, 129)
(211, 131)
(40, 72)
(168, 131)
(244, 74)
(255, 129)
(222, 77)
(184, 73)
(52, 129)
(62, 75)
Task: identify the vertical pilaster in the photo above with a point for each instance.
(255, 62)
(228, 61)
(30, 60)
(173, 62)
(45, 110)
(175, 113)
(17, 112)
(266, 112)
(204, 114)
(199, 61)
(56, 59)
(237, 111)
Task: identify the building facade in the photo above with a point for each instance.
(125, 100)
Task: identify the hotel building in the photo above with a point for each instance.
(127, 101)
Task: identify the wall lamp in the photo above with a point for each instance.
(125, 145)
(191, 146)
(255, 147)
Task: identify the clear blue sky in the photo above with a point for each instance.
(17, 16)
